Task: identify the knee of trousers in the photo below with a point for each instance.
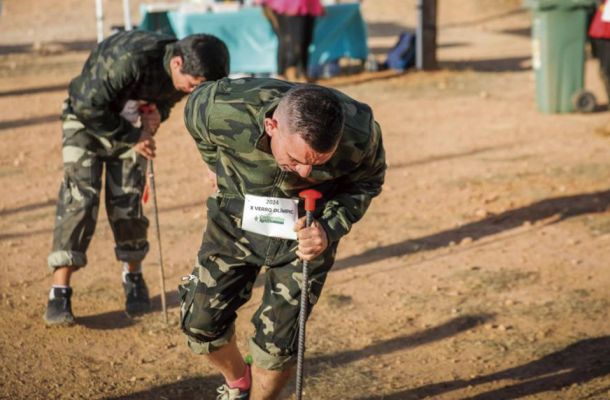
(208, 324)
(205, 332)
(199, 345)
(270, 357)
(207, 328)
(75, 203)
(127, 209)
(72, 194)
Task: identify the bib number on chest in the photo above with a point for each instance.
(270, 216)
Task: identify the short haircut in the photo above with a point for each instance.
(203, 56)
(315, 113)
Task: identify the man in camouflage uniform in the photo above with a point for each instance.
(102, 125)
(271, 138)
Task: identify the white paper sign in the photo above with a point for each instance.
(131, 113)
(270, 216)
(606, 13)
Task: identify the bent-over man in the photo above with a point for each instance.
(265, 140)
(102, 125)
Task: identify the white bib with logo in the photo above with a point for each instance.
(606, 12)
(270, 216)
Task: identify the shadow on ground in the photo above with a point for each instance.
(35, 90)
(172, 298)
(18, 123)
(50, 203)
(118, 319)
(381, 50)
(194, 388)
(523, 32)
(444, 331)
(106, 321)
(204, 387)
(381, 29)
(509, 64)
(27, 207)
(448, 156)
(494, 17)
(560, 208)
(576, 364)
(63, 46)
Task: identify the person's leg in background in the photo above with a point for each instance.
(308, 26)
(125, 181)
(273, 19)
(76, 216)
(601, 50)
(290, 28)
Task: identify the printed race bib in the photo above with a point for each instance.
(270, 216)
(606, 13)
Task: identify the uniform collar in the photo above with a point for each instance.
(169, 50)
(263, 141)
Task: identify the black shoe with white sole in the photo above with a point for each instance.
(137, 301)
(59, 308)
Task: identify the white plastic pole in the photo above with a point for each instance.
(426, 35)
(99, 16)
(419, 36)
(127, 15)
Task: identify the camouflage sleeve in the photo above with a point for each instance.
(356, 191)
(91, 97)
(196, 114)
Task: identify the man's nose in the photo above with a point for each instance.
(304, 170)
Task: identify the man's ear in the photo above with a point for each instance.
(270, 126)
(176, 63)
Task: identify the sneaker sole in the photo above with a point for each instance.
(138, 310)
(66, 322)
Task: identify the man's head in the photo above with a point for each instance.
(198, 58)
(305, 128)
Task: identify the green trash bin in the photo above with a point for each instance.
(559, 33)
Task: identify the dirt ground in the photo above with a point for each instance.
(480, 272)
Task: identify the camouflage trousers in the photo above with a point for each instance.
(229, 261)
(84, 155)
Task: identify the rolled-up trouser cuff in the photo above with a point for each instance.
(199, 347)
(64, 258)
(131, 256)
(264, 360)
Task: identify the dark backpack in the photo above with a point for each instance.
(402, 55)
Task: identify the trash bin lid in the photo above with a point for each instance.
(565, 4)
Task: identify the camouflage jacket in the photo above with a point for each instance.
(126, 66)
(226, 120)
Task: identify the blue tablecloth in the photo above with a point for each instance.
(341, 32)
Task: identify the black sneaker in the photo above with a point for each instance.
(136, 294)
(59, 308)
